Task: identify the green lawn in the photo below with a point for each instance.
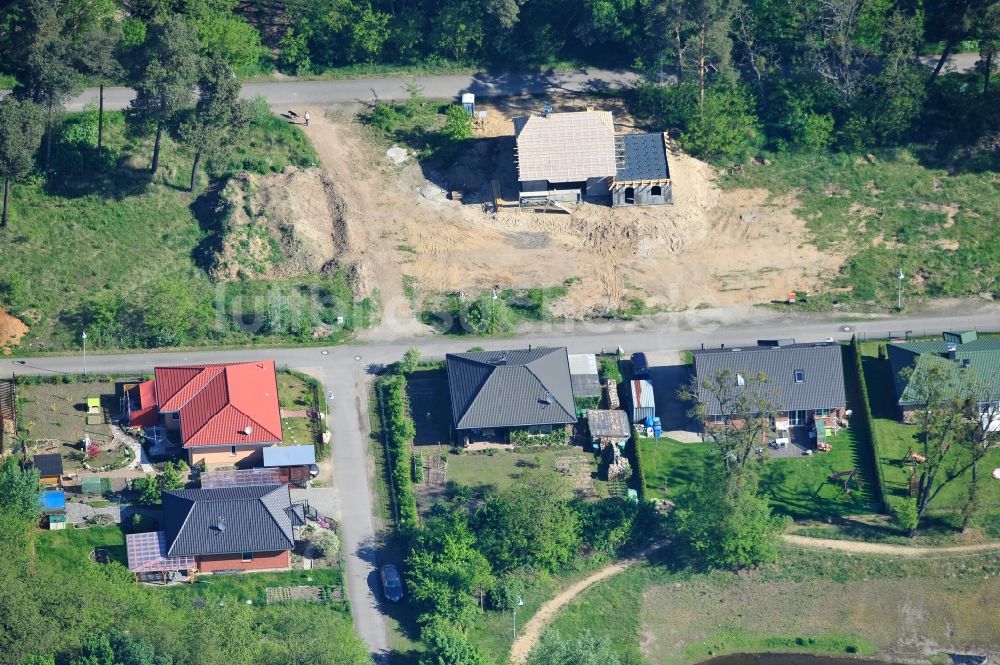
(486, 474)
(253, 586)
(126, 234)
(896, 438)
(887, 213)
(297, 432)
(68, 547)
(671, 466)
(294, 392)
(797, 486)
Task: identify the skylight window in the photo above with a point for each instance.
(740, 381)
(800, 376)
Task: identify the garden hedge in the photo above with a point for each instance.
(399, 432)
(868, 426)
(634, 452)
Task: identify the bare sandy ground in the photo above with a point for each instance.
(383, 222)
(12, 330)
(860, 547)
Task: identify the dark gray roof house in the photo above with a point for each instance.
(230, 520)
(800, 377)
(504, 389)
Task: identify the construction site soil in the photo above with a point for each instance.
(382, 221)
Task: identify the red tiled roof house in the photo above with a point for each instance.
(225, 414)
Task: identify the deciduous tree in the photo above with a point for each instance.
(19, 489)
(745, 403)
(446, 575)
(942, 416)
(529, 525)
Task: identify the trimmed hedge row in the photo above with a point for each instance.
(399, 430)
(869, 424)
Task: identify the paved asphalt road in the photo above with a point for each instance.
(297, 94)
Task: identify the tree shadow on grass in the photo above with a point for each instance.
(117, 181)
(212, 211)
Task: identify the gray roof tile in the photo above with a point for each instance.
(645, 157)
(509, 388)
(253, 518)
(822, 366)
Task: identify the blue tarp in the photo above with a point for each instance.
(52, 501)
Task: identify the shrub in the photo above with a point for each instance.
(488, 316)
(608, 369)
(418, 469)
(505, 592)
(326, 543)
(385, 119)
(458, 126)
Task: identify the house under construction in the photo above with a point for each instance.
(566, 157)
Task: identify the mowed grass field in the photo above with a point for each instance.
(809, 602)
(896, 438)
(889, 212)
(96, 230)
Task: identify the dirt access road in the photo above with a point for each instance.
(861, 547)
(541, 620)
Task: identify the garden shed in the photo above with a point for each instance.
(49, 467)
(608, 426)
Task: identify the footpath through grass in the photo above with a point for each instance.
(889, 211)
(808, 602)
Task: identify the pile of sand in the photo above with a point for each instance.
(291, 224)
(12, 331)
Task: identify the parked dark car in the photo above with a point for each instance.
(640, 366)
(392, 585)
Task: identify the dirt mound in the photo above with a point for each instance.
(12, 331)
(291, 224)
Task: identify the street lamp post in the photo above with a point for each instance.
(83, 336)
(899, 295)
(519, 603)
